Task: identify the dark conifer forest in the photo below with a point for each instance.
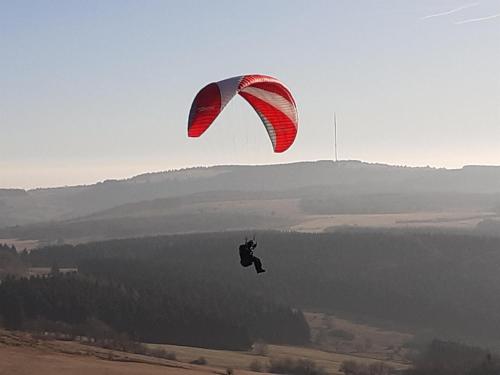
(152, 302)
(187, 288)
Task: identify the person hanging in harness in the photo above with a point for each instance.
(247, 258)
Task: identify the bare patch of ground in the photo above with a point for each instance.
(42, 271)
(329, 360)
(448, 220)
(332, 333)
(265, 207)
(21, 354)
(20, 244)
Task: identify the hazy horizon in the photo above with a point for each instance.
(94, 91)
(125, 172)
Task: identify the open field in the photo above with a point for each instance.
(445, 220)
(42, 271)
(20, 244)
(278, 214)
(332, 333)
(20, 354)
(265, 207)
(328, 360)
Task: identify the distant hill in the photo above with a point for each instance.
(235, 197)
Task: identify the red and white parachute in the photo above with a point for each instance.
(272, 101)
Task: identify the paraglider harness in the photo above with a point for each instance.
(246, 252)
(247, 258)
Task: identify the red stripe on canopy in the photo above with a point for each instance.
(275, 88)
(269, 97)
(204, 110)
(284, 128)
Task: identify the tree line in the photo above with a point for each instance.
(441, 282)
(151, 302)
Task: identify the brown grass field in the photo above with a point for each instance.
(445, 220)
(20, 244)
(365, 340)
(22, 354)
(42, 271)
(289, 208)
(384, 346)
(330, 361)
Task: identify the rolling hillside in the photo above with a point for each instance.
(307, 196)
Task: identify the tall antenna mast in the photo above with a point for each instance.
(335, 135)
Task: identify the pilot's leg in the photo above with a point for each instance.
(258, 265)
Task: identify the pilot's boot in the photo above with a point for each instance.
(258, 265)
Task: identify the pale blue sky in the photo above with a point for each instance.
(91, 90)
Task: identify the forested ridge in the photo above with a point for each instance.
(153, 300)
(165, 199)
(441, 282)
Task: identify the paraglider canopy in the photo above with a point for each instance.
(270, 98)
